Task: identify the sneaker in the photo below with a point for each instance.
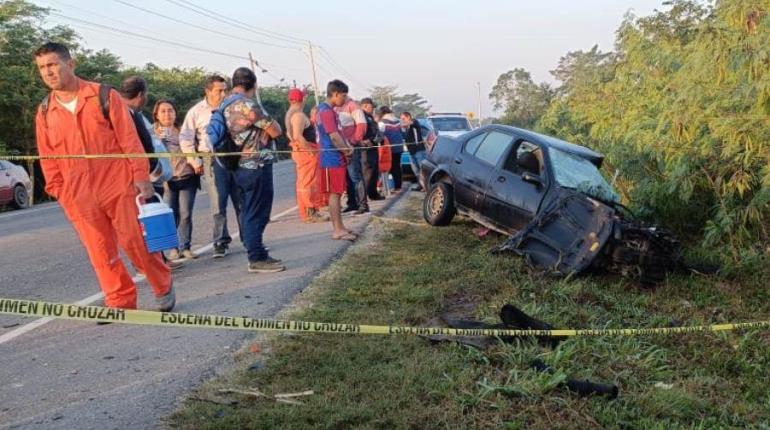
(167, 302)
(377, 197)
(173, 255)
(268, 265)
(189, 255)
(362, 210)
(174, 264)
(349, 209)
(220, 251)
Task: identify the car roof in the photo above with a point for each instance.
(548, 141)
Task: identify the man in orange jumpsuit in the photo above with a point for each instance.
(97, 195)
(301, 134)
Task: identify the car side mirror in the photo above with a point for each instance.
(532, 179)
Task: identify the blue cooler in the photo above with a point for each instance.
(158, 226)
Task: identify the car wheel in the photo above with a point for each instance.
(20, 197)
(438, 208)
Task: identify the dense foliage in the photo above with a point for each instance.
(680, 108)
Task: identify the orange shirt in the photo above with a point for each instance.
(88, 132)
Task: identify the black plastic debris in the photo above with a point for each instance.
(582, 388)
(511, 317)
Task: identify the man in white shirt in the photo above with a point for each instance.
(221, 182)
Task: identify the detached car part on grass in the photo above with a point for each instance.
(562, 215)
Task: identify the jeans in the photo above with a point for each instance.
(181, 198)
(371, 167)
(255, 188)
(221, 186)
(416, 160)
(356, 187)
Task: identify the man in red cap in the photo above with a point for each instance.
(302, 139)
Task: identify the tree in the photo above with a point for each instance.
(389, 96)
(522, 100)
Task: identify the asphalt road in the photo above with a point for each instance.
(68, 374)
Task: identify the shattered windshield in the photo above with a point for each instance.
(580, 174)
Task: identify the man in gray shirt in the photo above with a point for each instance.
(221, 182)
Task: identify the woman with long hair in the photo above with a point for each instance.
(179, 192)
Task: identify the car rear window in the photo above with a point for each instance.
(473, 144)
(493, 147)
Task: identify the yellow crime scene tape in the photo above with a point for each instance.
(175, 154)
(30, 308)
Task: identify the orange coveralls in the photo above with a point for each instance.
(98, 195)
(308, 195)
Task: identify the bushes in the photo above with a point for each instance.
(681, 109)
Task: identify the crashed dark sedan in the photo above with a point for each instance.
(549, 196)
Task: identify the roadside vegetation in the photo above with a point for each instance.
(410, 275)
(680, 108)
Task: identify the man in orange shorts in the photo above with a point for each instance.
(334, 153)
(97, 195)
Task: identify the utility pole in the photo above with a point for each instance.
(256, 84)
(478, 84)
(312, 67)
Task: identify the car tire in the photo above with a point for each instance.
(20, 197)
(438, 208)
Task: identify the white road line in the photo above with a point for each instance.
(26, 328)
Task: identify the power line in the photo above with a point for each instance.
(200, 27)
(234, 22)
(329, 58)
(90, 12)
(142, 36)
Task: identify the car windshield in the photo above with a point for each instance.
(580, 174)
(450, 124)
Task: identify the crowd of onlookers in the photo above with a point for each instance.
(340, 147)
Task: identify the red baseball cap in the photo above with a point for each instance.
(296, 95)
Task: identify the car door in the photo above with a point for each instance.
(514, 192)
(479, 166)
(6, 179)
(469, 173)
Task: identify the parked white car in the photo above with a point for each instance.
(15, 186)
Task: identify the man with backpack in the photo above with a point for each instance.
(242, 125)
(97, 195)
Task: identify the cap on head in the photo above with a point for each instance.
(296, 95)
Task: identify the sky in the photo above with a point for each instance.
(439, 49)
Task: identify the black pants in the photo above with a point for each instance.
(371, 166)
(395, 170)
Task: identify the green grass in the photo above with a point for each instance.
(411, 274)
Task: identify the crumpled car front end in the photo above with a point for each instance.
(575, 233)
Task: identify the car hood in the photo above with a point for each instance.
(566, 236)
